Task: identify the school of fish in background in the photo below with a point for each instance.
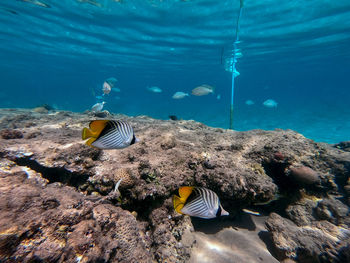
(118, 134)
(109, 85)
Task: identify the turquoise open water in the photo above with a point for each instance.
(294, 52)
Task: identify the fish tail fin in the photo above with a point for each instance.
(87, 133)
(178, 203)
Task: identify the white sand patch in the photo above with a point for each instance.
(232, 245)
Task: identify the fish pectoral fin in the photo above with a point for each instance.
(178, 204)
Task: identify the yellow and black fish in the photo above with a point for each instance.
(107, 134)
(198, 202)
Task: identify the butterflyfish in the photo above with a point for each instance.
(109, 134)
(198, 202)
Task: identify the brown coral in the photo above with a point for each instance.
(126, 176)
(11, 134)
(168, 142)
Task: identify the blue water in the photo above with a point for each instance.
(294, 52)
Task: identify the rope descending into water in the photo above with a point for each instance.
(234, 61)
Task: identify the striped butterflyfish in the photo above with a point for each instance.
(109, 134)
(198, 202)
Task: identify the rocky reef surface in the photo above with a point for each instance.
(58, 202)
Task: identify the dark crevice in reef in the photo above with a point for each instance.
(287, 188)
(340, 168)
(53, 174)
(275, 170)
(341, 176)
(9, 242)
(143, 207)
(278, 206)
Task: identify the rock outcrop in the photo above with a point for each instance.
(56, 202)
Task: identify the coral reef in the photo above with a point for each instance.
(126, 176)
(320, 241)
(343, 145)
(11, 134)
(59, 205)
(55, 223)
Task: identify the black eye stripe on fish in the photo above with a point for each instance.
(105, 134)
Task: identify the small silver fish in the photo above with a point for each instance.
(106, 88)
(180, 95)
(108, 85)
(249, 102)
(109, 134)
(98, 107)
(154, 89)
(198, 202)
(270, 103)
(203, 90)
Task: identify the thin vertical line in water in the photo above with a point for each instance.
(234, 61)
